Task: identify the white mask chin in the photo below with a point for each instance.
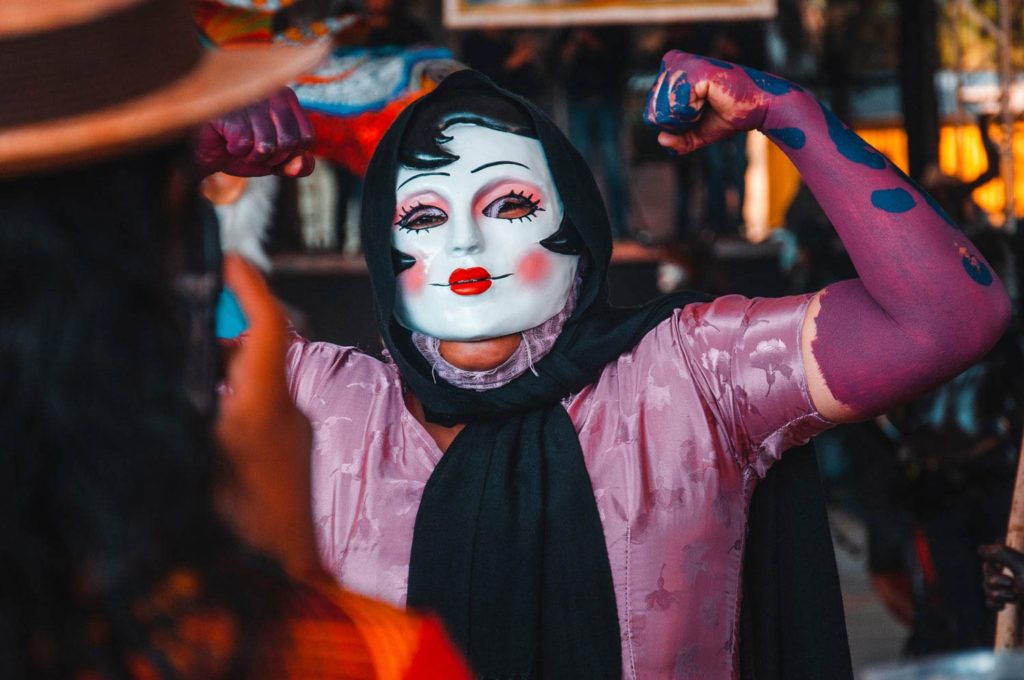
(474, 228)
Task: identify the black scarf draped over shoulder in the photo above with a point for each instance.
(508, 547)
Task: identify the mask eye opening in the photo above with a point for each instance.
(525, 205)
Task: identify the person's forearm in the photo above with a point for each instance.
(926, 304)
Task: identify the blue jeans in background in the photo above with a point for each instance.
(594, 131)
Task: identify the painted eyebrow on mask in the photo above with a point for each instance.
(491, 165)
(423, 174)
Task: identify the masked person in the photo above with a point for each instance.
(565, 483)
(151, 530)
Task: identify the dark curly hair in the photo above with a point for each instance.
(110, 537)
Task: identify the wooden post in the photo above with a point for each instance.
(1001, 33)
(1006, 77)
(1006, 623)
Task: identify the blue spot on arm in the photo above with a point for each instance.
(974, 267)
(792, 137)
(977, 270)
(893, 200)
(771, 84)
(932, 203)
(850, 145)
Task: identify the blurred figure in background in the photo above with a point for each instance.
(512, 59)
(594, 65)
(384, 22)
(725, 162)
(836, 23)
(690, 195)
(956, 195)
(711, 181)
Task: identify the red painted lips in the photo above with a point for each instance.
(472, 281)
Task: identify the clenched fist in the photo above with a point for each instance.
(270, 137)
(697, 101)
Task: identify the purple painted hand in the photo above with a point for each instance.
(697, 101)
(270, 137)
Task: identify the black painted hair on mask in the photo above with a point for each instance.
(422, 145)
(424, 139)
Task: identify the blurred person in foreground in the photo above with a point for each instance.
(154, 531)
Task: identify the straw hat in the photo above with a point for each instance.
(82, 80)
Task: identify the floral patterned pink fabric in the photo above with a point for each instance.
(675, 435)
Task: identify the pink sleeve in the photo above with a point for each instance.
(745, 359)
(311, 368)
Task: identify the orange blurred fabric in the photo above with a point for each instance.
(326, 634)
(338, 635)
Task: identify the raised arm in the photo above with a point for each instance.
(926, 304)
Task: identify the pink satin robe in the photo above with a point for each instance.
(675, 435)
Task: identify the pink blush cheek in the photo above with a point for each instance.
(414, 279)
(534, 267)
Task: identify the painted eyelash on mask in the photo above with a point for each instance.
(534, 206)
(403, 218)
(405, 213)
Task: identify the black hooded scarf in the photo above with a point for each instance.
(508, 548)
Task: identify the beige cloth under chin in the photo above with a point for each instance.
(535, 345)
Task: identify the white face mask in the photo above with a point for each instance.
(474, 228)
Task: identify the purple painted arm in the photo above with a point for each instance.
(270, 137)
(926, 304)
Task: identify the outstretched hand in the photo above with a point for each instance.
(270, 137)
(1002, 588)
(263, 434)
(697, 101)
